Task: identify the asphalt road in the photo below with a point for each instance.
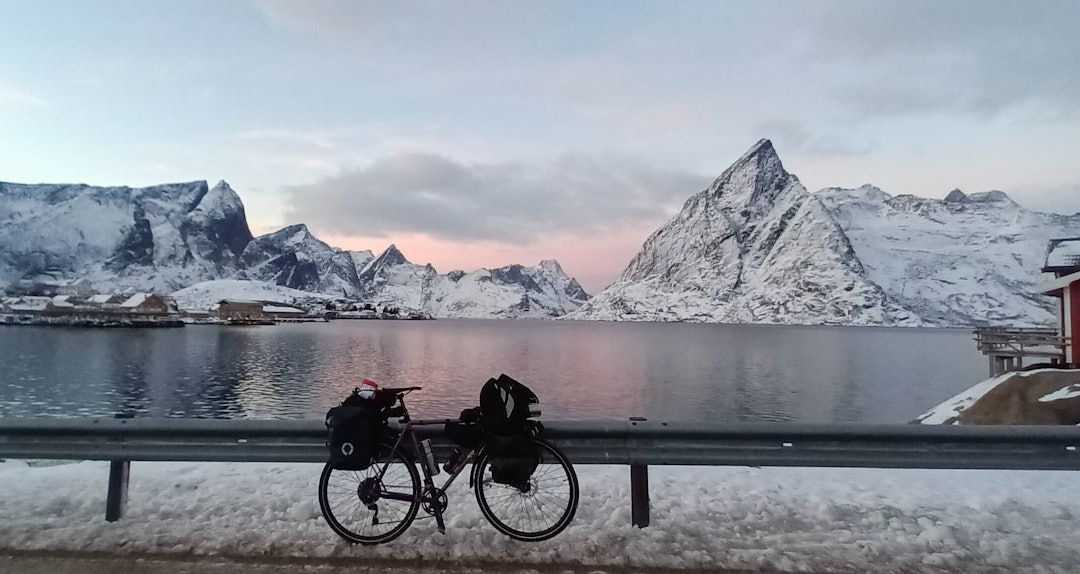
(95, 563)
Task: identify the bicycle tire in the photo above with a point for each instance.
(340, 501)
(545, 510)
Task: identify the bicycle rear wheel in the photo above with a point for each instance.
(372, 505)
(538, 511)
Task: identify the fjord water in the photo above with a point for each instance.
(580, 370)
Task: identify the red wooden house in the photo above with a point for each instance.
(1063, 260)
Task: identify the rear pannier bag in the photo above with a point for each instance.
(506, 404)
(354, 436)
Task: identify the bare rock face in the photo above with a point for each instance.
(1045, 397)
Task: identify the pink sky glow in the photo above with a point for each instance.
(594, 262)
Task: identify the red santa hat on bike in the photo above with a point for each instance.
(367, 389)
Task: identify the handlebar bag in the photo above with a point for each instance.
(468, 430)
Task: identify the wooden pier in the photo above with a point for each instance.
(1007, 347)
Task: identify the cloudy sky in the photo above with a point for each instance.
(478, 134)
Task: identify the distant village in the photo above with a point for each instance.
(75, 303)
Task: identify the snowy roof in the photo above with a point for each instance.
(31, 304)
(100, 299)
(281, 309)
(135, 300)
(62, 301)
(1063, 253)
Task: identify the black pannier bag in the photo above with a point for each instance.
(514, 458)
(506, 404)
(355, 428)
(503, 420)
(354, 432)
(468, 430)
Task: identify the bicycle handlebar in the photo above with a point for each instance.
(400, 390)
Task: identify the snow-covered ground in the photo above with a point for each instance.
(822, 520)
(202, 296)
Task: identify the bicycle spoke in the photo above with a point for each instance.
(537, 512)
(342, 495)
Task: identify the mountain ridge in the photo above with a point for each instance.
(172, 236)
(756, 246)
(731, 255)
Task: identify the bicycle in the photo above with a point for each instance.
(378, 504)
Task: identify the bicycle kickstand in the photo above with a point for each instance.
(439, 521)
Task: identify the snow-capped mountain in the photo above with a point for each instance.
(391, 278)
(169, 237)
(754, 247)
(293, 257)
(966, 259)
(513, 291)
(757, 247)
(161, 238)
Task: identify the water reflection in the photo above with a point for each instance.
(580, 370)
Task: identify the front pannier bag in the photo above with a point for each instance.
(502, 419)
(514, 458)
(506, 404)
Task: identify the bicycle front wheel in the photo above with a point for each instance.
(534, 511)
(372, 505)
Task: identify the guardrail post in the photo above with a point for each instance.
(116, 503)
(639, 495)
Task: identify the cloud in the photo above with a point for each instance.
(499, 202)
(797, 138)
(457, 27)
(974, 56)
(1062, 198)
(12, 96)
(346, 23)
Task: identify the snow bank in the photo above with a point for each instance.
(1065, 385)
(839, 520)
(946, 412)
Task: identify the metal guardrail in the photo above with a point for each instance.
(637, 443)
(584, 442)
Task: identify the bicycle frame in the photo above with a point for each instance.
(432, 496)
